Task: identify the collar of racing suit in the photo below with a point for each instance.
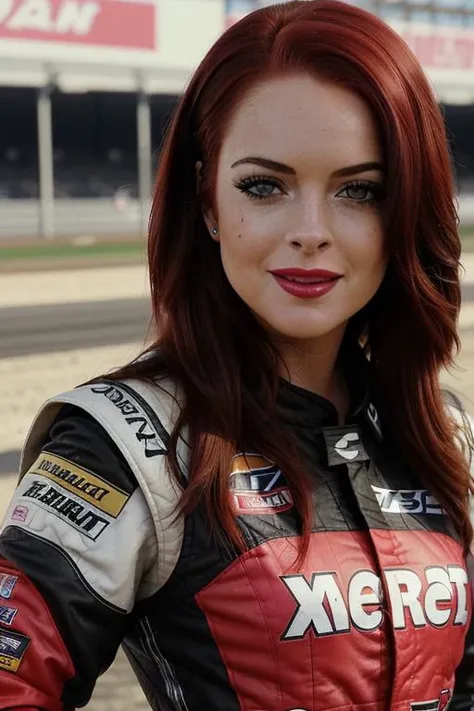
(302, 408)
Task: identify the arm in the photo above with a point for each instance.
(463, 699)
(76, 546)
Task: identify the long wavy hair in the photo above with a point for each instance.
(208, 339)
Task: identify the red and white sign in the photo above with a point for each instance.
(110, 23)
(436, 47)
(440, 47)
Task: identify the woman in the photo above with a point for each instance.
(304, 268)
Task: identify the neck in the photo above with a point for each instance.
(313, 365)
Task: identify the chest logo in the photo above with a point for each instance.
(324, 608)
(407, 501)
(344, 445)
(258, 486)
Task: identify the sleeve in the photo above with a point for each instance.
(463, 698)
(76, 549)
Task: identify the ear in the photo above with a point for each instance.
(211, 223)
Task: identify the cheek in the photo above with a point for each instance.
(241, 255)
(243, 244)
(368, 250)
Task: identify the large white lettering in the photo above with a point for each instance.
(404, 589)
(439, 590)
(325, 608)
(365, 589)
(40, 15)
(458, 576)
(77, 17)
(311, 611)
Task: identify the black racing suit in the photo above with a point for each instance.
(376, 617)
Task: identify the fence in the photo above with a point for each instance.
(98, 217)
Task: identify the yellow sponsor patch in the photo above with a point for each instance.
(249, 463)
(13, 646)
(81, 482)
(9, 663)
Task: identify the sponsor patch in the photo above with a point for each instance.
(13, 646)
(81, 482)
(82, 517)
(7, 614)
(406, 501)
(20, 513)
(344, 445)
(327, 605)
(7, 583)
(137, 415)
(258, 486)
(439, 704)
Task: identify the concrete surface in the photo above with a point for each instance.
(66, 326)
(72, 285)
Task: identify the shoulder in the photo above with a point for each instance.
(74, 447)
(80, 498)
(133, 416)
(116, 432)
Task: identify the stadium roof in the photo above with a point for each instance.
(154, 45)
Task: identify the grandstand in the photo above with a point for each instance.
(79, 93)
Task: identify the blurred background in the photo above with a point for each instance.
(86, 90)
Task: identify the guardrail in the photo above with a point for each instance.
(72, 218)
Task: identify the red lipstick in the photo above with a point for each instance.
(305, 283)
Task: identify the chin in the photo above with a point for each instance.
(302, 332)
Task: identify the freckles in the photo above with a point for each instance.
(239, 235)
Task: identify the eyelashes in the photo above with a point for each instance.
(265, 187)
(258, 187)
(376, 191)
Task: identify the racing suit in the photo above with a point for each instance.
(92, 556)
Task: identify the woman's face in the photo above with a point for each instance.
(298, 206)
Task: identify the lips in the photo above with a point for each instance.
(306, 283)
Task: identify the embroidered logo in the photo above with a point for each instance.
(7, 614)
(407, 501)
(7, 583)
(13, 646)
(258, 486)
(344, 445)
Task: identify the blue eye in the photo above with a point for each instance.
(259, 187)
(362, 191)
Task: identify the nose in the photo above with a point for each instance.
(311, 230)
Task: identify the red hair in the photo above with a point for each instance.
(208, 339)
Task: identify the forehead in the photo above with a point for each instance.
(300, 118)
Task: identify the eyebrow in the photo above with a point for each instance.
(282, 168)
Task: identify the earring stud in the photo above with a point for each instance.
(215, 231)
